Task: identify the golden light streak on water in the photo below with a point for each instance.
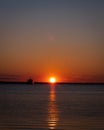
(52, 109)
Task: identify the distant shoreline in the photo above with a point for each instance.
(7, 82)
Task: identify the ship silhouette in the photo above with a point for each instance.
(30, 81)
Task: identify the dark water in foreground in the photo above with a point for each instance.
(44, 107)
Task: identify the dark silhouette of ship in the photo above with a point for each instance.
(30, 81)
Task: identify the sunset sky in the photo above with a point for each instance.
(43, 38)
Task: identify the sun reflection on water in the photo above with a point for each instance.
(52, 109)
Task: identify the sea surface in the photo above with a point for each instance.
(51, 107)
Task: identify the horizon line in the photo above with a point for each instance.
(25, 82)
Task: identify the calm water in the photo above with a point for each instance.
(44, 107)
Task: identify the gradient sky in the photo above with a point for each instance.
(42, 38)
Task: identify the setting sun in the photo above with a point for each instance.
(52, 80)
